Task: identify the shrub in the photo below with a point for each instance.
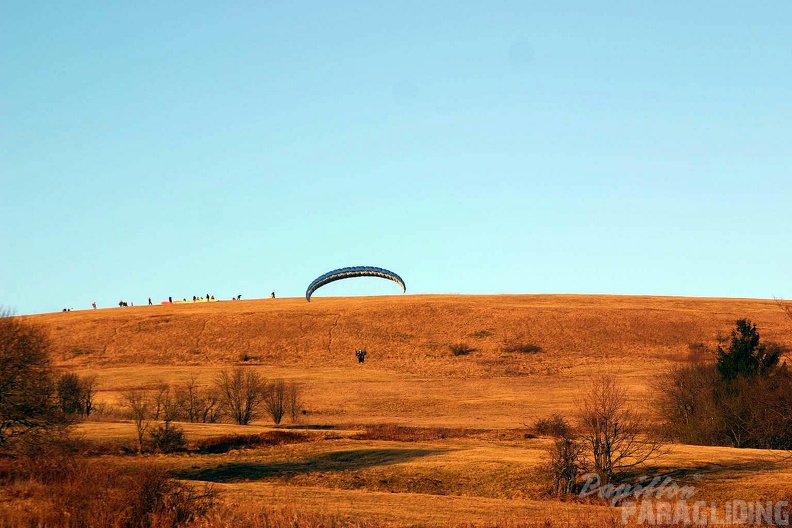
(68, 388)
(461, 349)
(223, 444)
(555, 426)
(153, 498)
(742, 400)
(524, 348)
(76, 393)
(564, 465)
(685, 403)
(699, 352)
(167, 438)
(401, 433)
(68, 491)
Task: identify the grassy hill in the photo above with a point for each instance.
(402, 331)
(528, 356)
(411, 372)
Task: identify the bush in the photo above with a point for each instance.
(524, 348)
(64, 490)
(156, 499)
(76, 394)
(555, 426)
(224, 444)
(167, 438)
(564, 465)
(699, 353)
(686, 405)
(743, 400)
(401, 433)
(461, 349)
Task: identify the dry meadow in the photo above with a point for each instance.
(416, 435)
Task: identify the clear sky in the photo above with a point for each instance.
(184, 148)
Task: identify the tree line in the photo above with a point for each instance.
(38, 403)
(738, 395)
(240, 395)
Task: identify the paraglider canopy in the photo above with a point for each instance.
(347, 273)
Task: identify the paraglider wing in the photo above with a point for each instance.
(347, 273)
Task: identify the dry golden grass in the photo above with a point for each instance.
(484, 475)
(410, 374)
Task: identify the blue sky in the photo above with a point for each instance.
(184, 148)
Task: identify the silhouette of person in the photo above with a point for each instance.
(149, 301)
(170, 299)
(361, 355)
(94, 305)
(272, 295)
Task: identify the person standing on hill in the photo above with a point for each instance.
(94, 305)
(149, 301)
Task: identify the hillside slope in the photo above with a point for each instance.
(399, 331)
(529, 356)
(411, 374)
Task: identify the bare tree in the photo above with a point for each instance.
(241, 393)
(139, 404)
(294, 403)
(275, 396)
(28, 403)
(195, 404)
(787, 308)
(188, 399)
(211, 406)
(68, 389)
(162, 403)
(564, 465)
(612, 432)
(685, 403)
(87, 393)
(75, 393)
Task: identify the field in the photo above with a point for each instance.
(416, 435)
